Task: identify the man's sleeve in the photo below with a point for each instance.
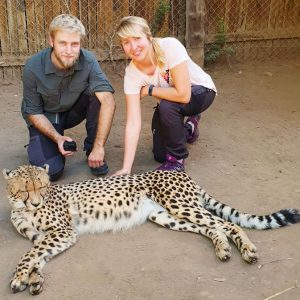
(32, 103)
(97, 80)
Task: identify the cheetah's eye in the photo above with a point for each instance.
(43, 189)
(23, 195)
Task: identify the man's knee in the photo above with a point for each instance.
(56, 176)
(45, 152)
(56, 166)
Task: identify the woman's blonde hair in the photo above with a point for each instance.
(66, 22)
(128, 28)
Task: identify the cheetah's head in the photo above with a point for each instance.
(27, 186)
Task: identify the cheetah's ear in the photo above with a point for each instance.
(7, 174)
(46, 168)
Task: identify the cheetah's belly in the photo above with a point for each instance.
(118, 221)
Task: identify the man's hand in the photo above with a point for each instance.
(41, 123)
(96, 157)
(60, 144)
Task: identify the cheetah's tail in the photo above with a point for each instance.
(278, 219)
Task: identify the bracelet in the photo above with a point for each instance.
(151, 86)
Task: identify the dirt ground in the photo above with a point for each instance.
(247, 157)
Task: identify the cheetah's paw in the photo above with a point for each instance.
(223, 253)
(36, 281)
(19, 282)
(249, 254)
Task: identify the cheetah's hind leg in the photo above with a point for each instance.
(219, 239)
(241, 240)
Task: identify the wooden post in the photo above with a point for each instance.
(194, 36)
(31, 28)
(91, 25)
(21, 19)
(4, 34)
(12, 27)
(41, 36)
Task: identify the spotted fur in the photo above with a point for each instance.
(52, 216)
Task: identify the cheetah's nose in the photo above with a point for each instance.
(35, 204)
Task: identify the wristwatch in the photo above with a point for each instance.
(151, 86)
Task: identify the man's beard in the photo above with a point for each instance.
(66, 64)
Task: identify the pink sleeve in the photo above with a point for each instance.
(132, 82)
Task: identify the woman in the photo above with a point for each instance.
(161, 67)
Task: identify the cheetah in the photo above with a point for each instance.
(52, 216)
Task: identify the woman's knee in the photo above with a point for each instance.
(200, 101)
(168, 109)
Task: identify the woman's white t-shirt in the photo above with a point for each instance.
(175, 53)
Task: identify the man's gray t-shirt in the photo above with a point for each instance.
(48, 90)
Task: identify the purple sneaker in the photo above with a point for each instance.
(193, 123)
(172, 164)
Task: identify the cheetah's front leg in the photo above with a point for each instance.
(28, 270)
(36, 279)
(24, 227)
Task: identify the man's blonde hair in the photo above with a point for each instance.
(68, 23)
(133, 26)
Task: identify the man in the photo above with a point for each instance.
(62, 86)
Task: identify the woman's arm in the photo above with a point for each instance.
(132, 132)
(181, 92)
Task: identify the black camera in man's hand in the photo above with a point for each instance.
(70, 146)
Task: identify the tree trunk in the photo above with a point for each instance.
(194, 37)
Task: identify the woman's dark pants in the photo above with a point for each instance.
(41, 150)
(168, 128)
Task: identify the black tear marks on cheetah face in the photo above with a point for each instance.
(52, 216)
(27, 186)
